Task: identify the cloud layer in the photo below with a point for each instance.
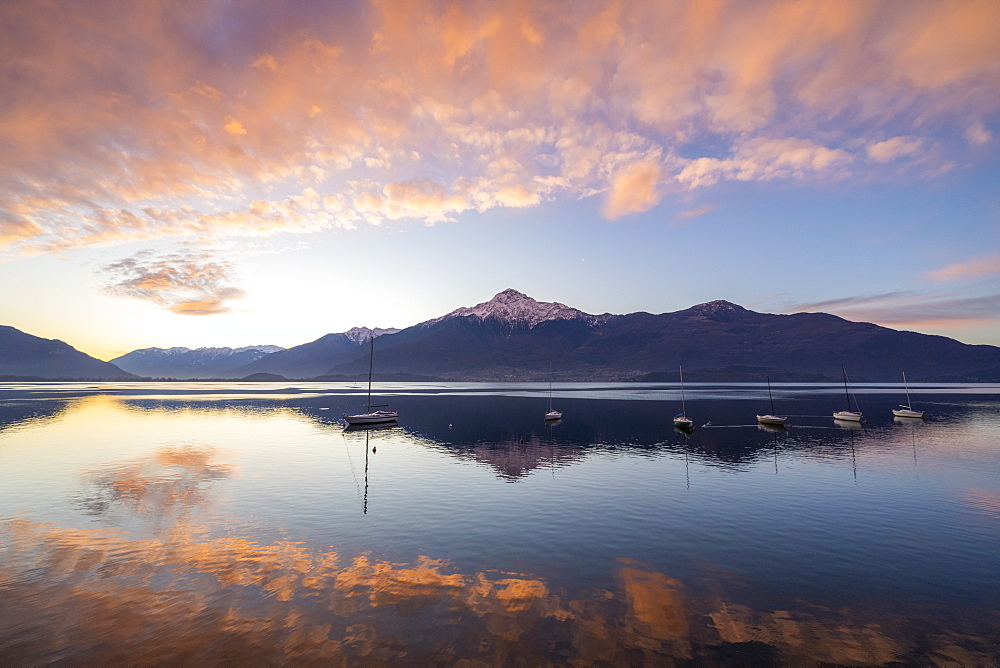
(913, 309)
(183, 283)
(126, 121)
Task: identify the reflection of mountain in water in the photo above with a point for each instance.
(516, 458)
(18, 413)
(509, 434)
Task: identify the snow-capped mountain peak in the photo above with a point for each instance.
(362, 334)
(718, 307)
(264, 349)
(204, 352)
(518, 308)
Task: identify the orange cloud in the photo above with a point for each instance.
(186, 284)
(633, 191)
(210, 306)
(234, 127)
(495, 106)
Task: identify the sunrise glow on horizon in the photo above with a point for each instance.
(227, 174)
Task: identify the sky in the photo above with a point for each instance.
(237, 173)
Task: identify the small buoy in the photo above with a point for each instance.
(449, 425)
(373, 449)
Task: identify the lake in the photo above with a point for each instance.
(194, 523)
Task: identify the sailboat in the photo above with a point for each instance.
(771, 418)
(907, 410)
(551, 414)
(370, 416)
(681, 420)
(848, 415)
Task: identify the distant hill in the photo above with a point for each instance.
(185, 363)
(265, 377)
(26, 356)
(514, 337)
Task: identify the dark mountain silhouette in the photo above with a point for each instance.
(313, 358)
(25, 356)
(514, 337)
(714, 341)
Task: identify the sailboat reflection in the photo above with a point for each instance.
(369, 427)
(368, 452)
(686, 433)
(364, 506)
(772, 427)
(774, 430)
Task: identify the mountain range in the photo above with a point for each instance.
(185, 363)
(513, 337)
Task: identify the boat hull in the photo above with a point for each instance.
(553, 415)
(908, 413)
(378, 417)
(771, 419)
(683, 422)
(847, 416)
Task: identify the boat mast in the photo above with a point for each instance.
(769, 394)
(846, 393)
(371, 361)
(680, 368)
(550, 387)
(908, 404)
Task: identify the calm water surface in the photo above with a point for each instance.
(193, 523)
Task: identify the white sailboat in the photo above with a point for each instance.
(370, 416)
(551, 414)
(906, 411)
(848, 415)
(771, 418)
(681, 419)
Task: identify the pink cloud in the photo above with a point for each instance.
(977, 135)
(764, 159)
(988, 265)
(897, 309)
(891, 149)
(700, 211)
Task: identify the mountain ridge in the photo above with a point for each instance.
(24, 355)
(513, 337)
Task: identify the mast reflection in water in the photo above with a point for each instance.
(187, 523)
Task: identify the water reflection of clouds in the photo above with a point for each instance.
(165, 487)
(79, 596)
(984, 500)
